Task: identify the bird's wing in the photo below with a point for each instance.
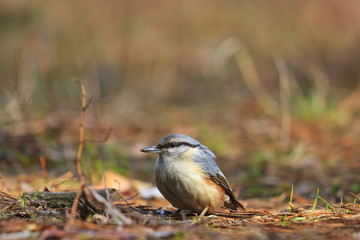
(220, 180)
(206, 159)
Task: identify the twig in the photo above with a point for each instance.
(107, 195)
(43, 167)
(107, 206)
(131, 206)
(106, 189)
(84, 106)
(104, 139)
(87, 105)
(202, 214)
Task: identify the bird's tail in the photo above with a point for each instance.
(234, 204)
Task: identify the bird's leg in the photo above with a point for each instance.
(176, 212)
(204, 211)
(160, 211)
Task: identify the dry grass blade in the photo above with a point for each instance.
(252, 80)
(6, 199)
(4, 195)
(353, 209)
(58, 181)
(284, 82)
(130, 205)
(355, 196)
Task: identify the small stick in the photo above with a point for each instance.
(102, 140)
(106, 189)
(107, 196)
(291, 197)
(131, 206)
(202, 214)
(84, 106)
(43, 167)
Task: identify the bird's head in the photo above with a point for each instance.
(174, 145)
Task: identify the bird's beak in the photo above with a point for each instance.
(152, 149)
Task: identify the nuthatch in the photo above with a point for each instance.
(187, 176)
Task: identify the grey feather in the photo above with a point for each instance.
(178, 137)
(206, 159)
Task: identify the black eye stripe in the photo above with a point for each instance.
(176, 144)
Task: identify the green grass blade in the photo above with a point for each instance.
(283, 222)
(327, 204)
(357, 196)
(22, 200)
(291, 198)
(37, 190)
(315, 201)
(295, 219)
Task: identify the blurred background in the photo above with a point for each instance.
(271, 87)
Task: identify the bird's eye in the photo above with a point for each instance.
(173, 144)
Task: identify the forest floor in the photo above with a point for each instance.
(130, 216)
(302, 187)
(135, 210)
